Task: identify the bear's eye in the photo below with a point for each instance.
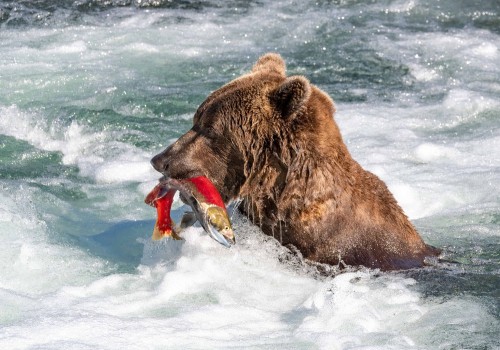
(205, 130)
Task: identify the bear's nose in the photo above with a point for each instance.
(158, 162)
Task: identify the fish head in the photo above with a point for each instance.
(216, 218)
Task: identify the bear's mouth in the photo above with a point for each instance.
(204, 199)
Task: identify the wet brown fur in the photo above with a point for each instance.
(272, 141)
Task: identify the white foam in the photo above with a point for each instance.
(96, 154)
(72, 142)
(429, 198)
(123, 170)
(428, 152)
(485, 50)
(424, 74)
(142, 47)
(198, 294)
(342, 320)
(464, 107)
(29, 263)
(416, 172)
(402, 6)
(74, 47)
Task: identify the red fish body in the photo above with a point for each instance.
(207, 190)
(163, 203)
(206, 202)
(164, 223)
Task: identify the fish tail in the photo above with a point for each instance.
(159, 233)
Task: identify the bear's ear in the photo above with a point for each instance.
(270, 62)
(291, 95)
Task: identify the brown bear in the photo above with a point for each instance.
(272, 141)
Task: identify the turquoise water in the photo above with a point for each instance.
(91, 90)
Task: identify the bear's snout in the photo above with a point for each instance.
(184, 158)
(158, 162)
(162, 162)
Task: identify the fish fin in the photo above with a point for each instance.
(188, 220)
(175, 236)
(159, 234)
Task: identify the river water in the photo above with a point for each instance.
(90, 90)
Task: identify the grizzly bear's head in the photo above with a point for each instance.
(246, 135)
